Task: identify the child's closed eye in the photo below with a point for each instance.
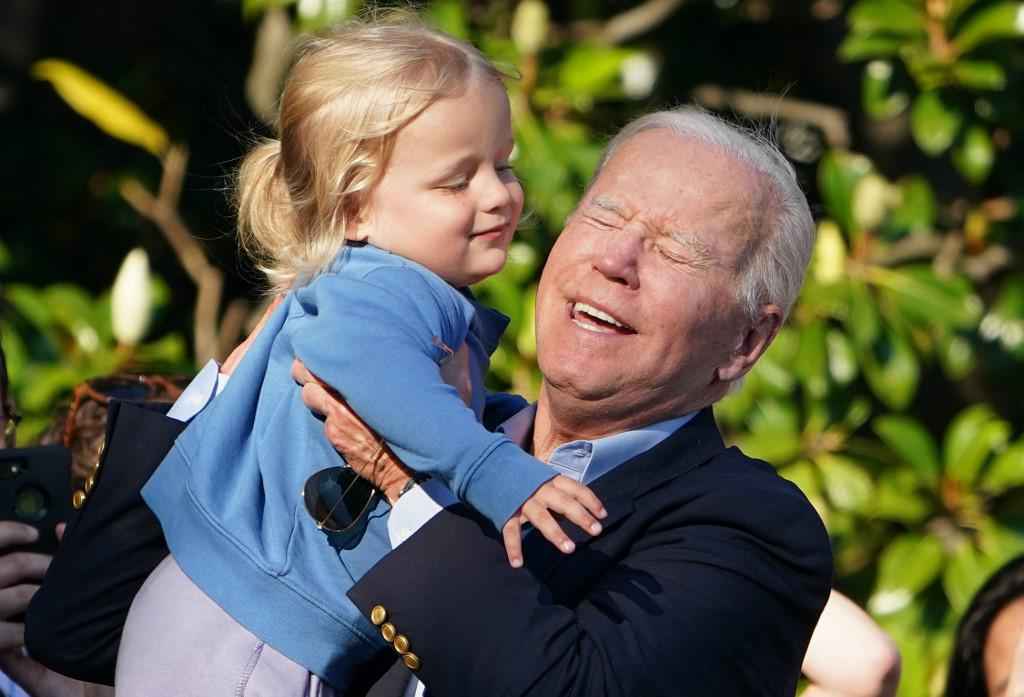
(455, 186)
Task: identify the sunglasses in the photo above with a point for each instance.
(338, 499)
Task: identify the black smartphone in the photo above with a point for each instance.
(35, 488)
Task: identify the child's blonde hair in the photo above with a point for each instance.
(346, 98)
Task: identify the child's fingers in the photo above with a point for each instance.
(581, 493)
(560, 501)
(574, 511)
(511, 533)
(547, 526)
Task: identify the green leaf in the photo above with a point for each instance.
(862, 316)
(934, 123)
(975, 155)
(526, 340)
(591, 69)
(70, 307)
(970, 439)
(928, 299)
(966, 572)
(15, 352)
(880, 102)
(957, 8)
(910, 440)
(848, 486)
(812, 361)
(46, 384)
(450, 17)
(774, 432)
(898, 498)
(1006, 471)
(251, 8)
(5, 257)
(166, 353)
(857, 47)
(916, 208)
(31, 304)
(107, 108)
(891, 369)
(957, 356)
(886, 17)
(1004, 20)
(979, 75)
(802, 473)
(838, 174)
(908, 565)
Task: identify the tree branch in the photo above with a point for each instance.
(638, 20)
(832, 122)
(626, 25)
(209, 280)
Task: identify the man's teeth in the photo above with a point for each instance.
(598, 314)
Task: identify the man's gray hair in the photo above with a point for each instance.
(774, 271)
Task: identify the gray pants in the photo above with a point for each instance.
(179, 643)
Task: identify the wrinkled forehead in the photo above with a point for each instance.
(690, 190)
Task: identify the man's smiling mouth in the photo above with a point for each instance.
(594, 319)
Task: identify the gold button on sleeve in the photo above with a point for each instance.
(401, 644)
(387, 630)
(378, 614)
(89, 484)
(411, 661)
(78, 499)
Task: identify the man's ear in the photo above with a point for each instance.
(758, 335)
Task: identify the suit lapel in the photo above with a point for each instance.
(690, 446)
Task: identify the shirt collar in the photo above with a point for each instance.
(488, 323)
(586, 460)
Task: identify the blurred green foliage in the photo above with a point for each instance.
(890, 397)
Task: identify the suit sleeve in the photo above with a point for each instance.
(373, 340)
(669, 618)
(74, 622)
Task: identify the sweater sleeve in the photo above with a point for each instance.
(374, 339)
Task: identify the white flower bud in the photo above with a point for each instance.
(131, 302)
(871, 201)
(639, 73)
(530, 26)
(829, 253)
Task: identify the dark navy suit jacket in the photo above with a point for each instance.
(708, 580)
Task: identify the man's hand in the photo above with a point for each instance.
(561, 495)
(17, 568)
(363, 449)
(372, 460)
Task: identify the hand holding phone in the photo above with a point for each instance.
(35, 489)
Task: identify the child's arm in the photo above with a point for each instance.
(372, 339)
(361, 447)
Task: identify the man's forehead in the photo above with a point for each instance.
(697, 240)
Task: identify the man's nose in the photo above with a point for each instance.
(618, 259)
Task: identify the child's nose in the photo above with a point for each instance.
(496, 194)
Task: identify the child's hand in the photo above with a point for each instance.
(560, 495)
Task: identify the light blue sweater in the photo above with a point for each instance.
(229, 493)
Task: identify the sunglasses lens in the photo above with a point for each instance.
(336, 497)
(123, 388)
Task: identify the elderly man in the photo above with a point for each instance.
(668, 283)
(666, 286)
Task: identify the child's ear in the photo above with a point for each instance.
(359, 222)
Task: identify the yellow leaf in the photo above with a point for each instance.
(108, 109)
